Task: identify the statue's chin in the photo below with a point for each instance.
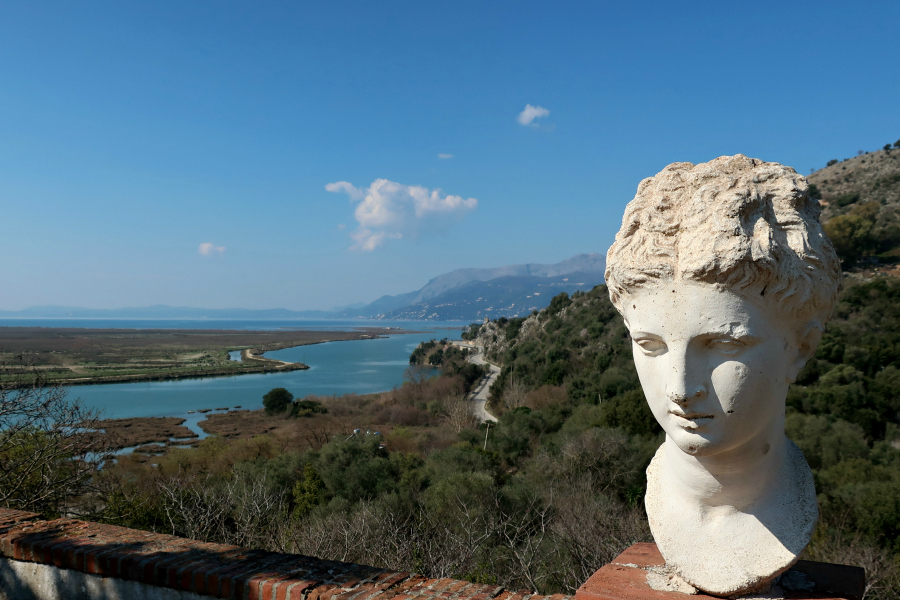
(693, 443)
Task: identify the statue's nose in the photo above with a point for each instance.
(682, 399)
(684, 385)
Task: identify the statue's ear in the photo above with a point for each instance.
(807, 342)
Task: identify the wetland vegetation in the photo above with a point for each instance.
(75, 356)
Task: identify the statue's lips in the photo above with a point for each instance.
(690, 420)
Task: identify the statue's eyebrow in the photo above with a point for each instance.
(638, 334)
(738, 331)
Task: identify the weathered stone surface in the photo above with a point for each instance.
(725, 280)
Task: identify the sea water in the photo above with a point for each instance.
(345, 367)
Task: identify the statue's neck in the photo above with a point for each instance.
(736, 478)
(728, 523)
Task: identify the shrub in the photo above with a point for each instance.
(277, 400)
(307, 407)
(559, 302)
(846, 199)
(852, 234)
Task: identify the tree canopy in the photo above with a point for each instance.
(277, 400)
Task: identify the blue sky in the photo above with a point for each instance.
(179, 152)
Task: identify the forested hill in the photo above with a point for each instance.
(861, 205)
(579, 342)
(843, 412)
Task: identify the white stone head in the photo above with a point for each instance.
(725, 280)
(722, 247)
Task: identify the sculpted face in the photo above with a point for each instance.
(715, 366)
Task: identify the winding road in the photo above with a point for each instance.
(480, 394)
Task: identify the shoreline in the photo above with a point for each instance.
(199, 374)
(252, 359)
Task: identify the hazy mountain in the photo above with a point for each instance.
(582, 263)
(514, 296)
(460, 289)
(464, 294)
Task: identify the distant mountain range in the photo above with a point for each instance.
(464, 294)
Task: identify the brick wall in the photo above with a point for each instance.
(95, 557)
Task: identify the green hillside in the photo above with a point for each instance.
(861, 205)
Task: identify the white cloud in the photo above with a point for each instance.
(527, 116)
(391, 210)
(209, 249)
(346, 187)
(445, 156)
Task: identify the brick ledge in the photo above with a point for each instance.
(218, 570)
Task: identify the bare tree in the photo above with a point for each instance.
(526, 534)
(590, 530)
(247, 510)
(459, 412)
(50, 446)
(259, 509)
(514, 394)
(197, 508)
(450, 541)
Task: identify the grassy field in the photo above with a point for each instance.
(79, 356)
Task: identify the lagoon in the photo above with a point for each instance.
(347, 367)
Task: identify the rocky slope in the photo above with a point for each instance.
(861, 208)
(874, 176)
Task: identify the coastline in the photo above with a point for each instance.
(252, 359)
(281, 367)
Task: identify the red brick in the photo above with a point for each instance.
(35, 546)
(480, 592)
(108, 550)
(115, 559)
(192, 577)
(174, 571)
(252, 585)
(248, 585)
(218, 580)
(298, 575)
(165, 568)
(201, 574)
(25, 540)
(55, 553)
(131, 562)
(620, 580)
(168, 548)
(59, 551)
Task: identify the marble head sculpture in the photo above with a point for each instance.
(725, 280)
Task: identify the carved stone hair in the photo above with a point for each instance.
(736, 222)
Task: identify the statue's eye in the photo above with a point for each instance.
(726, 345)
(651, 346)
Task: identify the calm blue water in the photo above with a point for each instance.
(359, 367)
